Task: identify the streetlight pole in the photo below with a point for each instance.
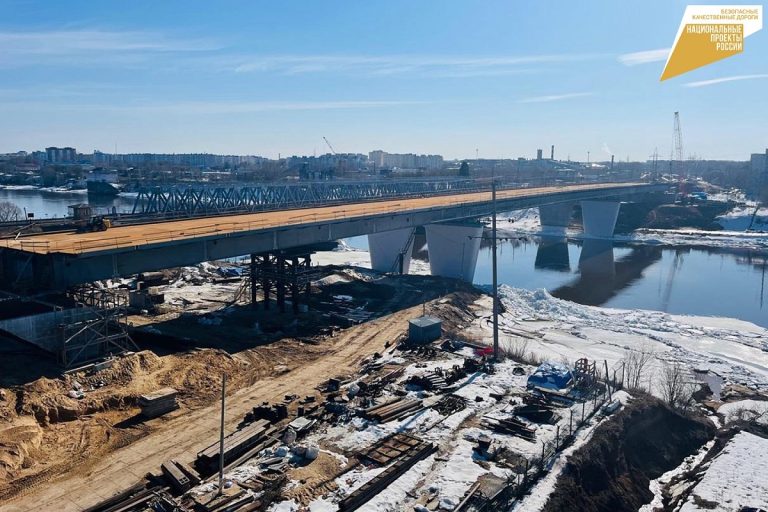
(221, 434)
(495, 274)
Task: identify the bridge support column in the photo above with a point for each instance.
(555, 217)
(599, 218)
(453, 249)
(391, 250)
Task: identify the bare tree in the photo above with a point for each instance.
(636, 365)
(9, 211)
(675, 385)
(515, 348)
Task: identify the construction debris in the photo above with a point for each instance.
(450, 404)
(510, 426)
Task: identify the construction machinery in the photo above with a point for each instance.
(95, 223)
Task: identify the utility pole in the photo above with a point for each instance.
(495, 273)
(221, 434)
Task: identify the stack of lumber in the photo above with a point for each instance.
(158, 402)
(235, 444)
(391, 411)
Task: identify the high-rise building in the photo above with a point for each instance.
(381, 159)
(56, 155)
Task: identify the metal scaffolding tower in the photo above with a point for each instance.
(98, 331)
(283, 275)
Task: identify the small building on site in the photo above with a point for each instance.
(424, 329)
(552, 377)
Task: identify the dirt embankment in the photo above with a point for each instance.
(612, 472)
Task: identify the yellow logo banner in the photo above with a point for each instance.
(709, 33)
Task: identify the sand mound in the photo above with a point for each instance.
(16, 443)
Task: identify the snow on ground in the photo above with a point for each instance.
(696, 238)
(538, 496)
(736, 477)
(562, 330)
(658, 484)
(345, 255)
(741, 218)
(735, 223)
(450, 472)
(753, 410)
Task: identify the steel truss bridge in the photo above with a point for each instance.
(203, 200)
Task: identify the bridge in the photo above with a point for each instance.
(57, 261)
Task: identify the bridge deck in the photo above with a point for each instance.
(120, 237)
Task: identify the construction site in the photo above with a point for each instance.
(336, 375)
(342, 389)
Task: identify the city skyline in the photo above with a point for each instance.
(496, 81)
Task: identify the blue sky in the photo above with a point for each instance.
(447, 77)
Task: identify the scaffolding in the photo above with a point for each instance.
(98, 330)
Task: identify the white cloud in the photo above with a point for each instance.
(398, 64)
(88, 45)
(704, 83)
(214, 107)
(555, 97)
(644, 57)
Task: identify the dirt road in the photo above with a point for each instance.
(182, 436)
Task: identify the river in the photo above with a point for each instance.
(680, 280)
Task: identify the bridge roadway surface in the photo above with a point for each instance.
(65, 259)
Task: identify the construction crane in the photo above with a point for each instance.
(340, 167)
(333, 151)
(679, 165)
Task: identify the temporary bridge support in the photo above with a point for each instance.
(284, 275)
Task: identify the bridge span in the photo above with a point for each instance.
(61, 260)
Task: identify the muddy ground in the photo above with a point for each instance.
(47, 436)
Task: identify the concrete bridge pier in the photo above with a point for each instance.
(391, 250)
(555, 217)
(453, 249)
(599, 218)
